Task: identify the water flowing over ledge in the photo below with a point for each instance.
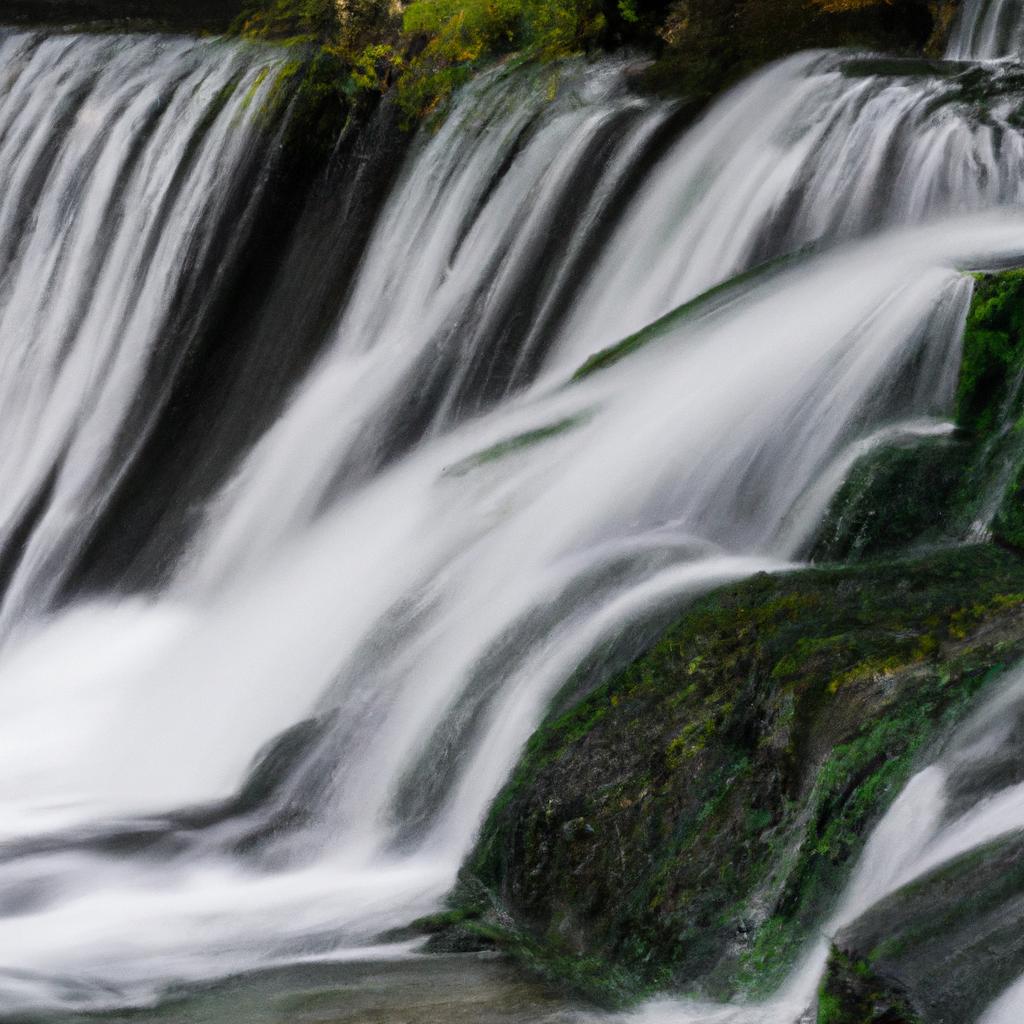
(436, 530)
(988, 30)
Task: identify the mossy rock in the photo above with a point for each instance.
(990, 399)
(316, 21)
(690, 822)
(913, 493)
(200, 16)
(712, 43)
(944, 946)
(901, 496)
(851, 993)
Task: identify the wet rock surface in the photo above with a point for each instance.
(690, 822)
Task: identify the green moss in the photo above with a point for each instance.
(458, 36)
(896, 498)
(851, 993)
(993, 354)
(912, 494)
(292, 21)
(311, 102)
(444, 919)
(1008, 522)
(514, 444)
(694, 818)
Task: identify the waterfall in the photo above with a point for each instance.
(112, 215)
(284, 748)
(987, 30)
(804, 154)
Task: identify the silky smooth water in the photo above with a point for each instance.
(440, 525)
(988, 30)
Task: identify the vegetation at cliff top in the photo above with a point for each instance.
(426, 48)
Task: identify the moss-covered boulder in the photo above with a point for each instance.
(940, 949)
(691, 821)
(852, 993)
(902, 496)
(919, 492)
(991, 399)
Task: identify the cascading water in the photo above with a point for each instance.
(988, 30)
(437, 529)
(111, 152)
(805, 153)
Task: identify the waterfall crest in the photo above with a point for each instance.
(462, 301)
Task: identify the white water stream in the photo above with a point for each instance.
(988, 30)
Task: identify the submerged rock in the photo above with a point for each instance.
(693, 820)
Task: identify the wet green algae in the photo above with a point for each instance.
(852, 993)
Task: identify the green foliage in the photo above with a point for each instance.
(374, 66)
(459, 34)
(293, 20)
(628, 12)
(431, 47)
(353, 46)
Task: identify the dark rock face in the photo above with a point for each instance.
(690, 822)
(944, 946)
(173, 15)
(714, 42)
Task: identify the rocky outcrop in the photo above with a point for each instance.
(691, 821)
(939, 950)
(711, 43)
